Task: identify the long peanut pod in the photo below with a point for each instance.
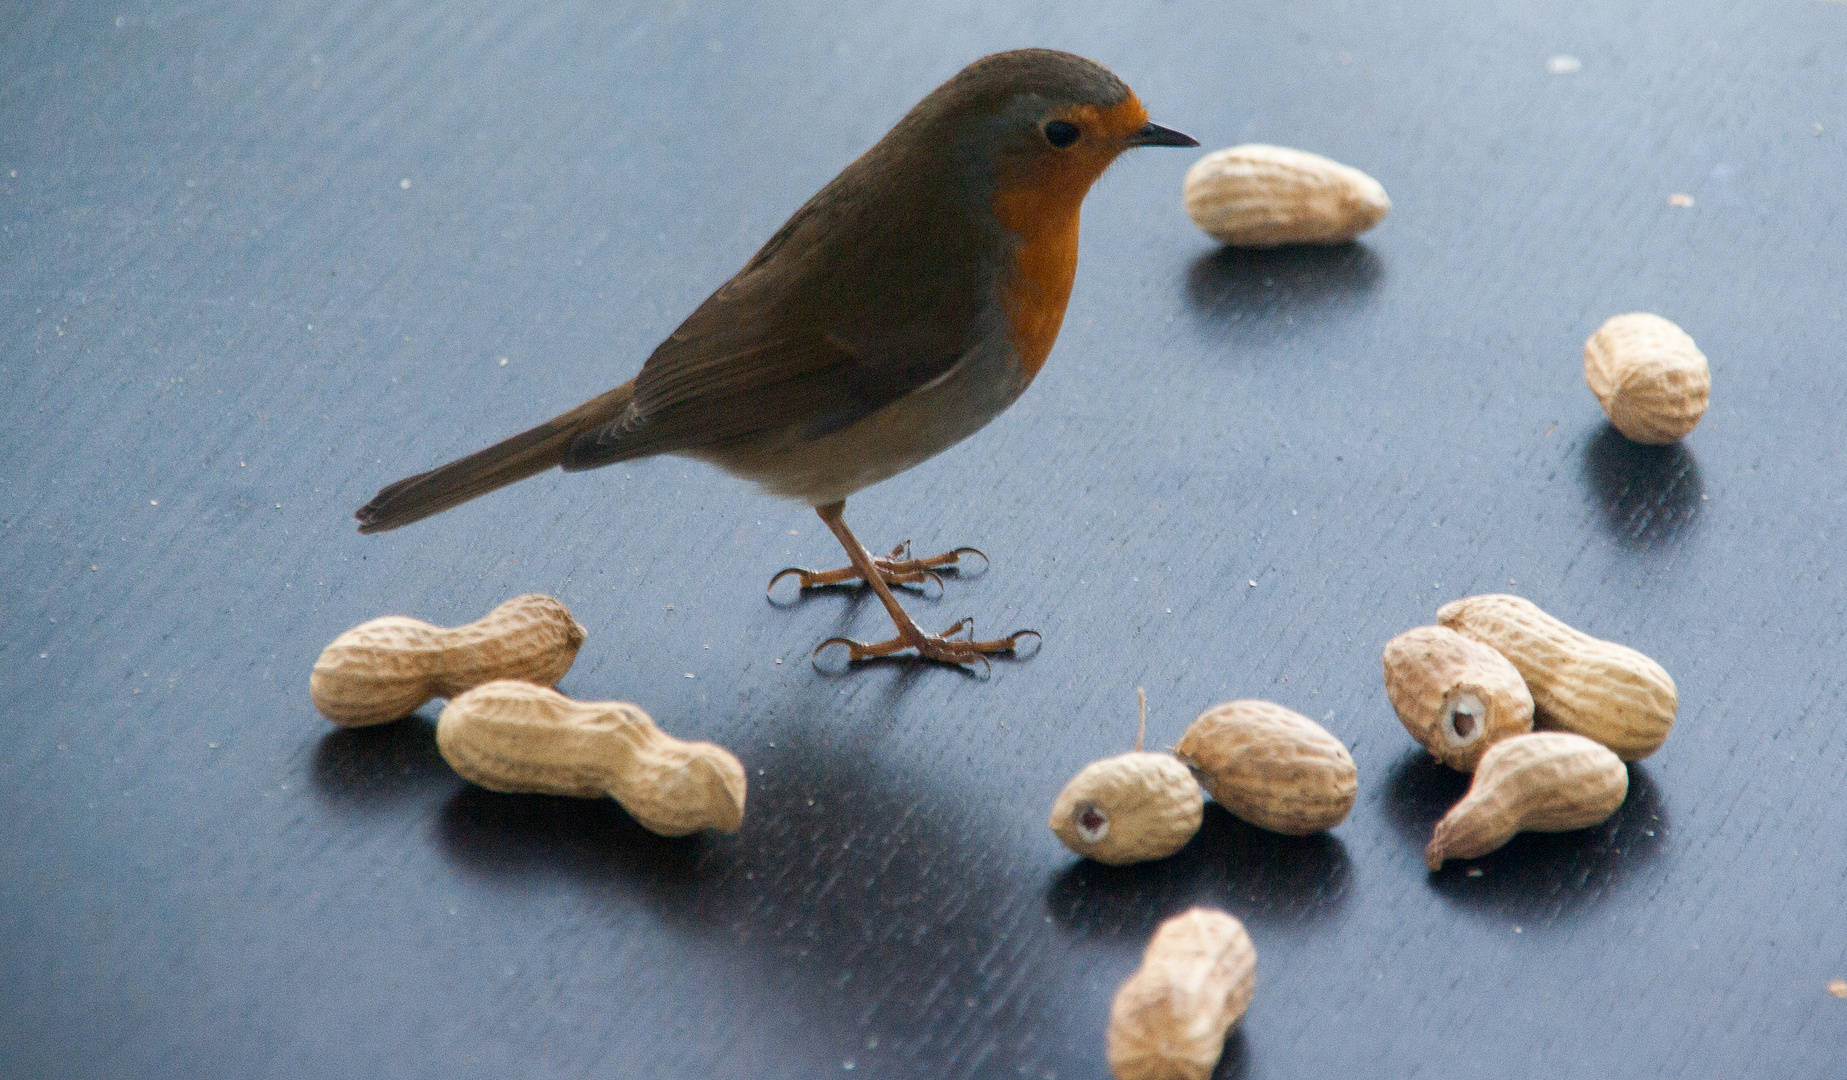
(516, 737)
(386, 668)
(1598, 689)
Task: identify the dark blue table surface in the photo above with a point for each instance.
(258, 260)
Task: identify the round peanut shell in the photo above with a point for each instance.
(1456, 696)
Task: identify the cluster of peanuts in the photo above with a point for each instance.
(1266, 765)
(1470, 690)
(506, 729)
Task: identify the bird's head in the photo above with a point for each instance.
(1041, 118)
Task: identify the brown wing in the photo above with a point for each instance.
(871, 290)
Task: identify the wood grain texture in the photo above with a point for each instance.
(226, 322)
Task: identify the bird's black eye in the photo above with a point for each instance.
(1061, 133)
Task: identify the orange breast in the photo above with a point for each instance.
(1040, 202)
(1035, 293)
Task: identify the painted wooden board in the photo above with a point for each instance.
(258, 260)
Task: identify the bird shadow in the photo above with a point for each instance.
(1262, 292)
(1648, 496)
(372, 770)
(853, 870)
(857, 865)
(1536, 878)
(1280, 882)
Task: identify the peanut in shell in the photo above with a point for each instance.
(1271, 766)
(1598, 689)
(1169, 1020)
(1548, 781)
(1130, 808)
(388, 667)
(1649, 376)
(1456, 696)
(516, 737)
(1266, 196)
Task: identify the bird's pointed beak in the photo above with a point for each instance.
(1156, 135)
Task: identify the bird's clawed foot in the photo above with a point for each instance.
(944, 648)
(898, 568)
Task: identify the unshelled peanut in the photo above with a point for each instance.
(1548, 781)
(1170, 1019)
(516, 737)
(1130, 808)
(1599, 689)
(1652, 381)
(1267, 196)
(1271, 766)
(386, 668)
(1455, 695)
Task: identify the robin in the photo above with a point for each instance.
(904, 306)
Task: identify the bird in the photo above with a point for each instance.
(903, 307)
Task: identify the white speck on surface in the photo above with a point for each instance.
(1253, 582)
(153, 502)
(689, 674)
(404, 184)
(1564, 65)
(1680, 198)
(503, 361)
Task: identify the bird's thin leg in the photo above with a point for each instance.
(942, 648)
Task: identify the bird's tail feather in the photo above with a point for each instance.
(417, 497)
